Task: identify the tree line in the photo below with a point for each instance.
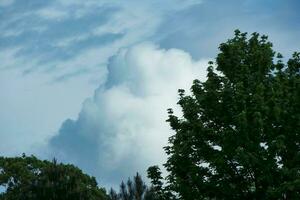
(238, 138)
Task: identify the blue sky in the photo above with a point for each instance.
(89, 81)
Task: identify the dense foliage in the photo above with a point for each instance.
(239, 137)
(28, 178)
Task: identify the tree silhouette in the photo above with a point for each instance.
(134, 190)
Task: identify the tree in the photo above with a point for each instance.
(239, 136)
(154, 174)
(134, 190)
(160, 192)
(30, 178)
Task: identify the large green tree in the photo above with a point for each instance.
(28, 178)
(239, 136)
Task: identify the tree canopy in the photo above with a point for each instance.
(239, 135)
(30, 178)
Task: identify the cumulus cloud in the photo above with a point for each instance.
(54, 54)
(28, 116)
(122, 129)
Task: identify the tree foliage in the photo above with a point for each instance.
(133, 190)
(30, 178)
(239, 134)
(160, 191)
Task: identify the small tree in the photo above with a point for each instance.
(161, 192)
(134, 190)
(239, 137)
(154, 174)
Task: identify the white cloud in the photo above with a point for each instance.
(52, 13)
(127, 116)
(4, 3)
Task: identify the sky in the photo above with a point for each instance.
(89, 82)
